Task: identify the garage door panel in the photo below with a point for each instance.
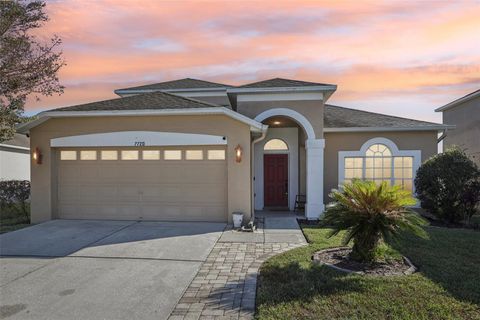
(68, 193)
(128, 192)
(88, 173)
(109, 173)
(202, 193)
(177, 190)
(101, 194)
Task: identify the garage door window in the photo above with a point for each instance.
(68, 155)
(216, 154)
(194, 155)
(172, 155)
(88, 155)
(109, 155)
(151, 154)
(129, 154)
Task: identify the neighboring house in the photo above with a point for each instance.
(193, 150)
(464, 114)
(15, 158)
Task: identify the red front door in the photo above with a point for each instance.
(275, 170)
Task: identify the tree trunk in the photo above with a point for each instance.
(364, 248)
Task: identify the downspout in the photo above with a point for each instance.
(443, 136)
(252, 168)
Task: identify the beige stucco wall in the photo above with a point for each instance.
(310, 109)
(466, 118)
(426, 141)
(43, 176)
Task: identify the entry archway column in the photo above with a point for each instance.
(315, 154)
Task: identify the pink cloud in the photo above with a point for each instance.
(370, 49)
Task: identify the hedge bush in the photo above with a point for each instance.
(15, 193)
(448, 186)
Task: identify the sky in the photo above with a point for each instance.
(403, 58)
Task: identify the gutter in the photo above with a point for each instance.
(252, 168)
(442, 136)
(44, 116)
(282, 89)
(384, 129)
(9, 146)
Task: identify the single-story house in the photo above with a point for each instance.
(193, 150)
(15, 158)
(464, 114)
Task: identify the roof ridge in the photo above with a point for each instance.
(136, 96)
(381, 114)
(188, 99)
(208, 81)
(291, 81)
(147, 85)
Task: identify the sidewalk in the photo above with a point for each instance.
(225, 286)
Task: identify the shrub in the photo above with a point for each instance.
(370, 213)
(448, 186)
(15, 192)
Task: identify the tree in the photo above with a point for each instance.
(448, 186)
(27, 66)
(371, 213)
(15, 193)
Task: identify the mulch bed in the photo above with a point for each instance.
(338, 259)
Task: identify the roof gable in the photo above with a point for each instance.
(459, 101)
(145, 101)
(186, 83)
(281, 83)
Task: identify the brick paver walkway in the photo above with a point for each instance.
(225, 286)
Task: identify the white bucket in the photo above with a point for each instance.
(237, 219)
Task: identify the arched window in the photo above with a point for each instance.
(380, 160)
(378, 163)
(275, 145)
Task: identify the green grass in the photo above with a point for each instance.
(447, 285)
(12, 218)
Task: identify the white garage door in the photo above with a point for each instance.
(177, 184)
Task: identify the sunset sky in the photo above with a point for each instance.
(397, 57)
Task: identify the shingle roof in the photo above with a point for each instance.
(341, 117)
(18, 140)
(187, 83)
(145, 101)
(459, 101)
(334, 116)
(281, 83)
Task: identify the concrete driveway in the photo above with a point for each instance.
(82, 269)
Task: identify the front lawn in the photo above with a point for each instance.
(447, 285)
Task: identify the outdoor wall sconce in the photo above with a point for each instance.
(238, 154)
(37, 156)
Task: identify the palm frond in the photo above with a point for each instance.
(370, 213)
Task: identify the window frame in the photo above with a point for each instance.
(416, 156)
(209, 158)
(86, 151)
(108, 150)
(167, 158)
(188, 154)
(276, 150)
(130, 150)
(70, 152)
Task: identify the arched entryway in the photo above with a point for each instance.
(304, 154)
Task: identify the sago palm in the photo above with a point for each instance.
(371, 213)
